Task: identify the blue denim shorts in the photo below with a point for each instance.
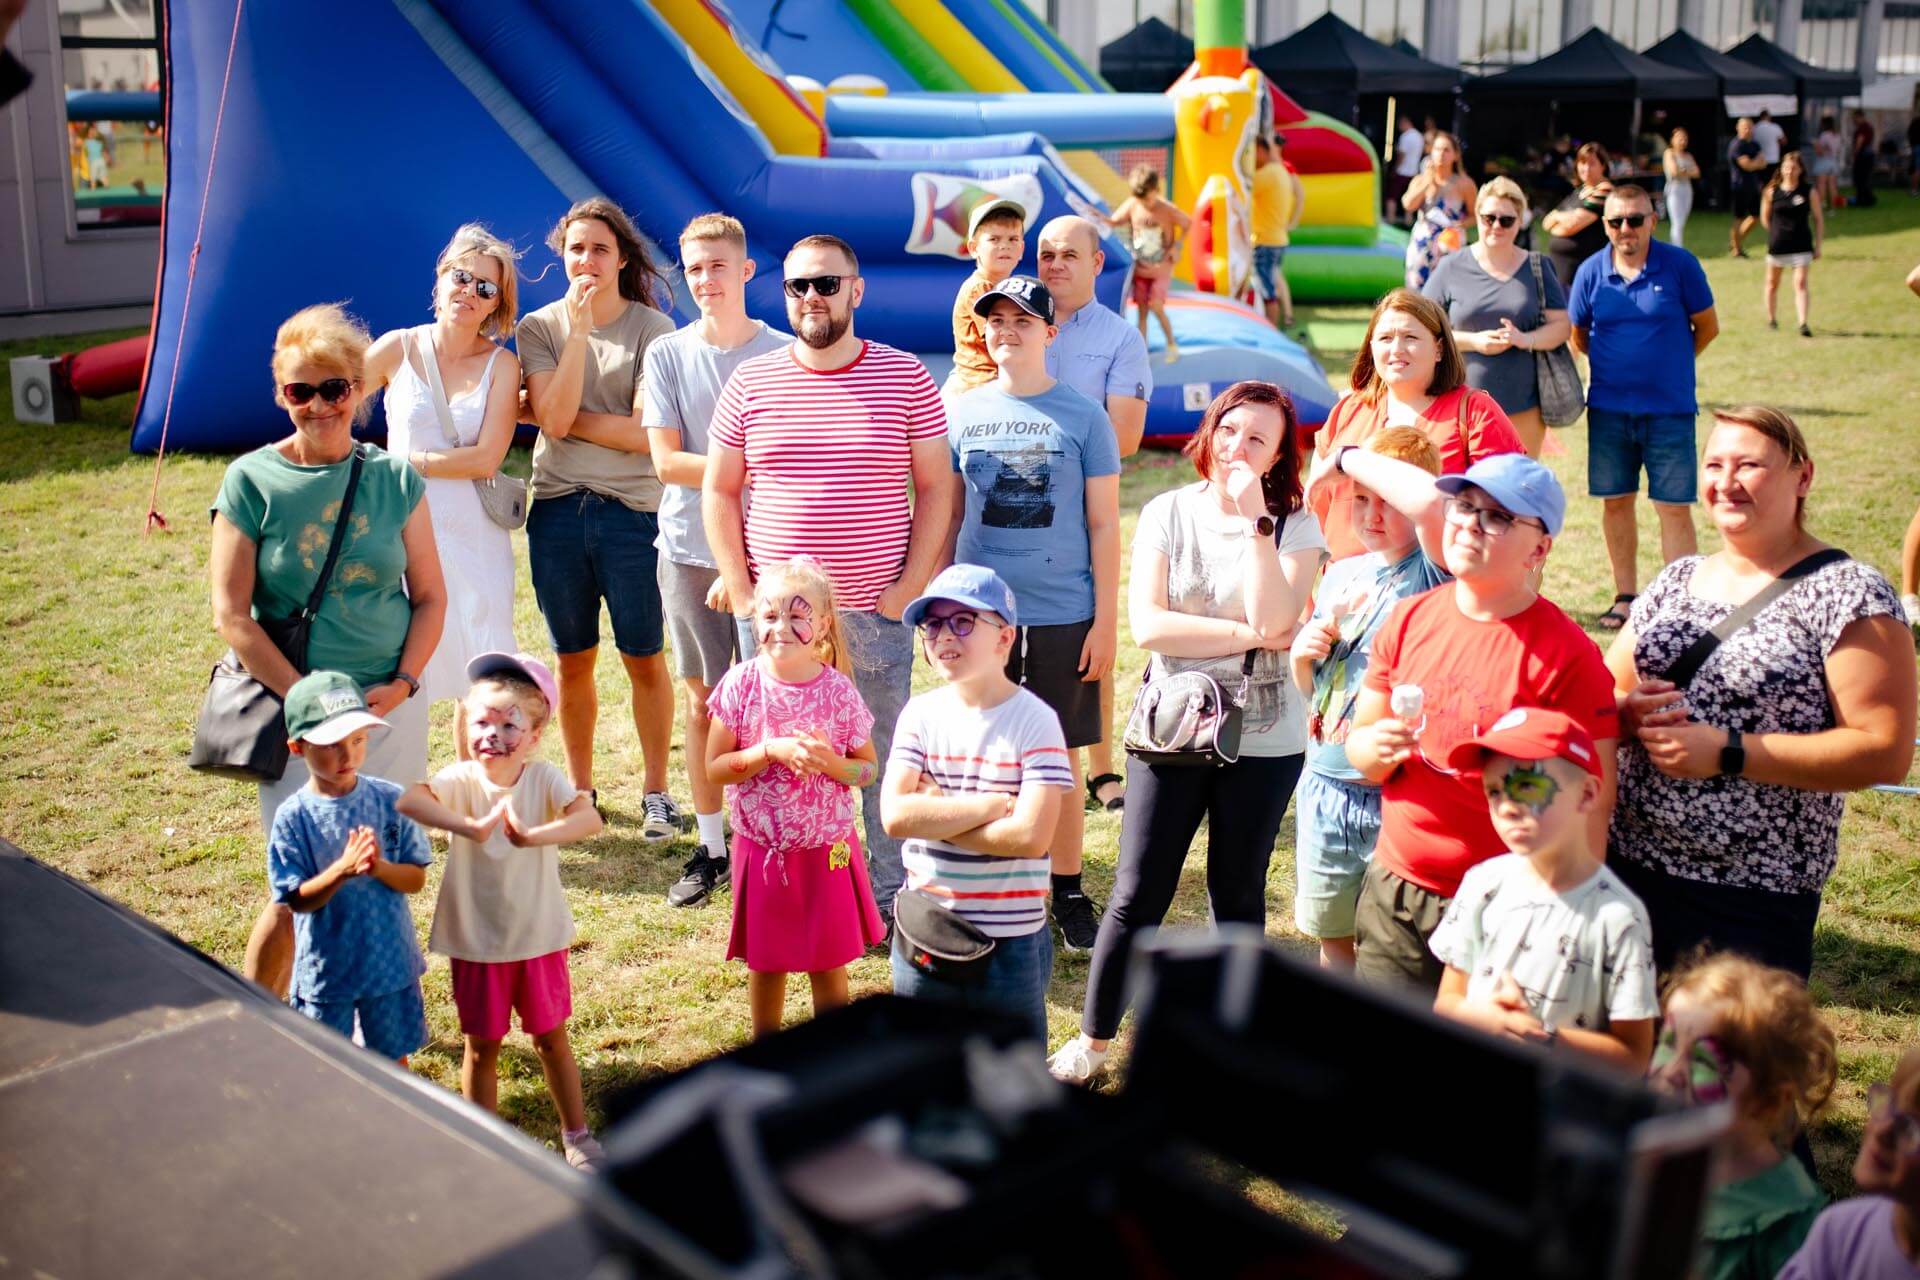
(393, 1025)
(1620, 444)
(1266, 269)
(1017, 975)
(583, 548)
(1339, 821)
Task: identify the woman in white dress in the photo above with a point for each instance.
(474, 304)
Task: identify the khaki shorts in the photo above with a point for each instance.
(1391, 924)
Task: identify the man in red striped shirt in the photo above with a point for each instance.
(829, 432)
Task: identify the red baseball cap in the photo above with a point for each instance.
(1529, 733)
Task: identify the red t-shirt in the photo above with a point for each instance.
(1435, 824)
(829, 456)
(1465, 425)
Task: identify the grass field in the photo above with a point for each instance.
(107, 641)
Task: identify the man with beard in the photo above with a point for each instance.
(827, 433)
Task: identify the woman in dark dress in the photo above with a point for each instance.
(1575, 227)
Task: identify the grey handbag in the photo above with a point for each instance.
(241, 731)
(1187, 718)
(502, 497)
(1562, 398)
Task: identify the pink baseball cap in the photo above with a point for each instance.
(524, 665)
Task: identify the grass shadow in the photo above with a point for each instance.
(1877, 976)
(621, 861)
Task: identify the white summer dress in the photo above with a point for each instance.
(476, 555)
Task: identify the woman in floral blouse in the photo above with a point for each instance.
(1731, 787)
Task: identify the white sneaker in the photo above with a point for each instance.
(1077, 1062)
(584, 1153)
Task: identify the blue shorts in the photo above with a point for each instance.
(393, 1025)
(584, 548)
(1339, 821)
(1017, 975)
(1620, 444)
(1266, 269)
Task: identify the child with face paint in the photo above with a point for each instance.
(1875, 1236)
(1544, 944)
(791, 740)
(503, 918)
(1741, 1033)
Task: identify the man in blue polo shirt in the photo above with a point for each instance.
(1642, 312)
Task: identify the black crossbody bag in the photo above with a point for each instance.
(241, 731)
(1688, 664)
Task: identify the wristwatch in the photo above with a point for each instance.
(1261, 527)
(1733, 756)
(413, 686)
(1340, 457)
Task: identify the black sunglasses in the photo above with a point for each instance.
(333, 390)
(825, 286)
(485, 288)
(961, 624)
(1499, 219)
(1627, 220)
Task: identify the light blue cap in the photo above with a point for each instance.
(1518, 483)
(968, 584)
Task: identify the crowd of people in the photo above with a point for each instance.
(1490, 812)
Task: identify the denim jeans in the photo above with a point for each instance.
(1017, 975)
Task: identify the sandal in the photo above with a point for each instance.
(1100, 780)
(1616, 615)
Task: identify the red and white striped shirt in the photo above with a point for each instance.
(829, 455)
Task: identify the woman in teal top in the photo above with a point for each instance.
(380, 617)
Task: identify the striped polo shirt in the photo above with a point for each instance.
(967, 750)
(829, 455)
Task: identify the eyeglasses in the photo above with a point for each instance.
(1489, 520)
(961, 624)
(1498, 219)
(1905, 1125)
(464, 278)
(1626, 220)
(333, 390)
(825, 286)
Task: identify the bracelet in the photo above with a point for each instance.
(1340, 457)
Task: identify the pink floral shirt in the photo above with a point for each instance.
(778, 808)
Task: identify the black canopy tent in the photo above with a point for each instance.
(1812, 83)
(1146, 59)
(1737, 77)
(1330, 66)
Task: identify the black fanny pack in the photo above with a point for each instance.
(939, 942)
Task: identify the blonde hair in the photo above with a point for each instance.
(1768, 1024)
(803, 575)
(473, 240)
(1778, 426)
(1502, 188)
(1142, 178)
(323, 334)
(716, 226)
(524, 692)
(1406, 444)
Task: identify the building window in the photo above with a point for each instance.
(111, 69)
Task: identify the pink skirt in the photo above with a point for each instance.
(796, 912)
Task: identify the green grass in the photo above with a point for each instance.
(105, 641)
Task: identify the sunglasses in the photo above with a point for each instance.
(333, 390)
(1490, 520)
(485, 288)
(1498, 219)
(1627, 220)
(825, 286)
(961, 624)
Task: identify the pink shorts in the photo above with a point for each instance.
(1148, 291)
(486, 994)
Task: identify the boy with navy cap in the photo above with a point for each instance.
(974, 781)
(1036, 474)
(1445, 665)
(344, 859)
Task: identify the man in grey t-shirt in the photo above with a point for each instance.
(684, 375)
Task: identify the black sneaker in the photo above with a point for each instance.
(1078, 918)
(704, 873)
(661, 817)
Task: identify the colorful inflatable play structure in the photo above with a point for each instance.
(884, 123)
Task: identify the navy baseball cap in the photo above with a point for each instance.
(1518, 483)
(968, 584)
(1024, 292)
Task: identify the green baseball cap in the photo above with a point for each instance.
(325, 707)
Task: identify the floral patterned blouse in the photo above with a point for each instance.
(1768, 677)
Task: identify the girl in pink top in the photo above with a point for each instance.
(791, 739)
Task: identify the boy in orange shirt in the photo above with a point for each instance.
(997, 237)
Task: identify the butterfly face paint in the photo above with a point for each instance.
(1528, 785)
(494, 732)
(1704, 1075)
(788, 624)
